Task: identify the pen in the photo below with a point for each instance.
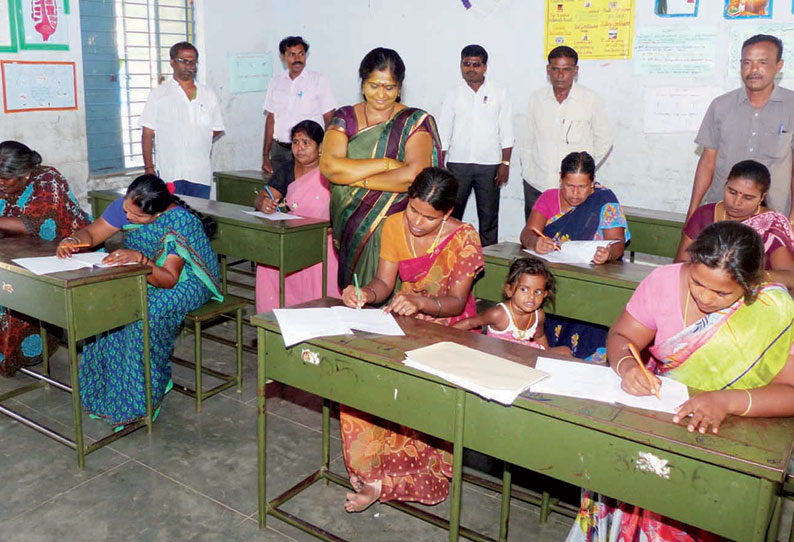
(636, 356)
(358, 290)
(81, 245)
(269, 193)
(541, 234)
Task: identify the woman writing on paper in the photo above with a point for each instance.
(35, 200)
(372, 152)
(580, 210)
(712, 324)
(437, 258)
(300, 185)
(161, 231)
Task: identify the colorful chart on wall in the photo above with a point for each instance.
(43, 24)
(748, 9)
(676, 8)
(595, 28)
(38, 86)
(8, 26)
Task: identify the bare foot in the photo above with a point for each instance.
(356, 482)
(363, 498)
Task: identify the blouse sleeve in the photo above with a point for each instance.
(115, 215)
(699, 220)
(646, 304)
(547, 203)
(344, 120)
(612, 216)
(390, 238)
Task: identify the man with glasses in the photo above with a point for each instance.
(562, 118)
(180, 121)
(476, 129)
(755, 122)
(295, 95)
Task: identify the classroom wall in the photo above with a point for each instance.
(59, 136)
(646, 170)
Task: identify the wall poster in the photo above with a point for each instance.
(38, 86)
(597, 29)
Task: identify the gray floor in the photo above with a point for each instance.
(194, 477)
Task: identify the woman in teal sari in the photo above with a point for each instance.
(714, 326)
(172, 239)
(372, 152)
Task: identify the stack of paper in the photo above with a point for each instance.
(486, 375)
(572, 252)
(54, 264)
(278, 215)
(298, 325)
(600, 383)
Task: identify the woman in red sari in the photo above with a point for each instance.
(437, 258)
(35, 200)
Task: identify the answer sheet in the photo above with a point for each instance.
(576, 252)
(278, 215)
(298, 325)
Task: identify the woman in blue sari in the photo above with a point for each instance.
(161, 231)
(580, 210)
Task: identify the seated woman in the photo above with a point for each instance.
(300, 185)
(161, 231)
(711, 324)
(580, 210)
(742, 200)
(372, 152)
(35, 200)
(437, 258)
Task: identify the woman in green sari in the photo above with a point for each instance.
(372, 152)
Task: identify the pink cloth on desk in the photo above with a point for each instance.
(312, 195)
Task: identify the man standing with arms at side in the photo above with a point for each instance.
(477, 140)
(180, 121)
(294, 95)
(755, 122)
(562, 118)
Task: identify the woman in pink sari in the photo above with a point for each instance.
(298, 186)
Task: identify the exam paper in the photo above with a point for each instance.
(369, 320)
(486, 375)
(278, 215)
(599, 383)
(298, 325)
(53, 264)
(572, 252)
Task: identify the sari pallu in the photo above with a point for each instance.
(358, 213)
(111, 370)
(772, 226)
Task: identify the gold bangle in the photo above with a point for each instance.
(386, 162)
(506, 163)
(617, 367)
(364, 183)
(749, 403)
(438, 312)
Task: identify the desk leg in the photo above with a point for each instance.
(45, 351)
(326, 438)
(261, 424)
(457, 466)
(763, 511)
(504, 518)
(147, 361)
(281, 271)
(325, 262)
(223, 275)
(77, 405)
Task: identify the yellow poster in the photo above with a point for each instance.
(594, 28)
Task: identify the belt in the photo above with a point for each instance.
(285, 145)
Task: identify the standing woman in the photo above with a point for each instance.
(300, 185)
(372, 152)
(172, 239)
(35, 200)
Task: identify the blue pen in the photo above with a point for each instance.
(269, 193)
(780, 130)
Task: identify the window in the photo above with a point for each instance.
(125, 55)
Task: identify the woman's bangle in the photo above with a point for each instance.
(374, 295)
(749, 403)
(438, 312)
(74, 240)
(364, 183)
(617, 367)
(386, 162)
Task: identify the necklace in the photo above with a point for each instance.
(522, 333)
(388, 116)
(686, 306)
(435, 241)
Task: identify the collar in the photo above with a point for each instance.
(484, 86)
(774, 97)
(573, 94)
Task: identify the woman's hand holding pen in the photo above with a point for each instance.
(68, 246)
(267, 205)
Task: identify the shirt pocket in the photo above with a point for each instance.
(576, 133)
(776, 144)
(203, 115)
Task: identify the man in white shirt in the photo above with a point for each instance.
(180, 121)
(476, 130)
(294, 95)
(562, 118)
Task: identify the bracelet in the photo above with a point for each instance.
(506, 163)
(74, 240)
(617, 367)
(388, 165)
(438, 312)
(374, 295)
(749, 403)
(364, 183)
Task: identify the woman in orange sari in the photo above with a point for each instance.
(437, 258)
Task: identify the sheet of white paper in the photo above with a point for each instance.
(599, 383)
(94, 259)
(369, 320)
(299, 325)
(50, 264)
(487, 375)
(572, 252)
(278, 215)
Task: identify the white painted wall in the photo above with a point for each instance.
(59, 136)
(653, 171)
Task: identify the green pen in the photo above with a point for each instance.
(358, 290)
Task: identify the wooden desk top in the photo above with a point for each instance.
(246, 175)
(619, 273)
(651, 215)
(22, 246)
(757, 446)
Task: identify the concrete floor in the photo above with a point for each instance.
(194, 477)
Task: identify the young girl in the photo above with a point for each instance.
(520, 319)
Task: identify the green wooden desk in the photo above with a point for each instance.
(288, 245)
(239, 186)
(85, 303)
(654, 232)
(596, 294)
(730, 483)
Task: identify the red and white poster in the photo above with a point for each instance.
(44, 24)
